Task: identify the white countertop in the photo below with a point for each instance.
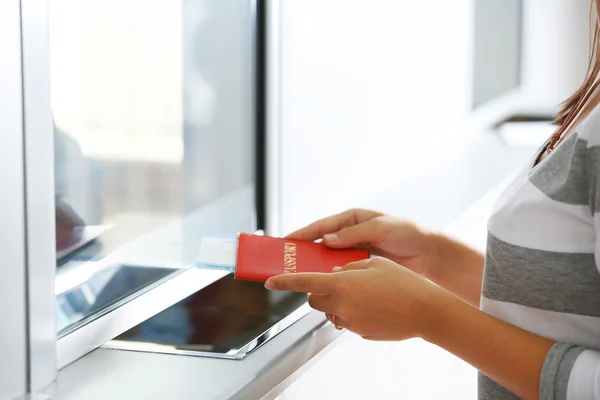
(114, 374)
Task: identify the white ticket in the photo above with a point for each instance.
(218, 253)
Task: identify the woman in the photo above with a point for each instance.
(527, 314)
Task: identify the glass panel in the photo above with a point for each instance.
(228, 319)
(102, 291)
(154, 133)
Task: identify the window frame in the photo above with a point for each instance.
(47, 351)
(13, 287)
(38, 146)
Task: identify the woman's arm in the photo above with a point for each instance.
(380, 300)
(509, 355)
(456, 267)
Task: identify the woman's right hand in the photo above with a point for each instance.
(441, 259)
(396, 239)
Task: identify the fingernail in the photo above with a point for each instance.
(336, 269)
(331, 238)
(269, 285)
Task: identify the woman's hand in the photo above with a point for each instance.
(448, 263)
(380, 300)
(396, 239)
(376, 298)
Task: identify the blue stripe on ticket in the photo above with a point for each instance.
(219, 267)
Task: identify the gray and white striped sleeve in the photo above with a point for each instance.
(572, 372)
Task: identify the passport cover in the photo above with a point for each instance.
(261, 257)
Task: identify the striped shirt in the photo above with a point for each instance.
(542, 258)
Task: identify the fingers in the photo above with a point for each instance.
(313, 282)
(354, 235)
(333, 224)
(321, 302)
(353, 266)
(302, 282)
(318, 229)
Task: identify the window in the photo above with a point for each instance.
(154, 123)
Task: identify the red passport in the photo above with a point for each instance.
(261, 257)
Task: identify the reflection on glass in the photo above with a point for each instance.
(102, 291)
(221, 320)
(153, 112)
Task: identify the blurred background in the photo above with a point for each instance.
(392, 105)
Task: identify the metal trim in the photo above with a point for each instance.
(273, 128)
(39, 194)
(13, 293)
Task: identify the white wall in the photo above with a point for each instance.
(376, 95)
(556, 48)
(370, 89)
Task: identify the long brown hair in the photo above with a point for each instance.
(586, 97)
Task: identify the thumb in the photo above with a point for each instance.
(351, 236)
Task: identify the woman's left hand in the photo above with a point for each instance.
(381, 300)
(376, 298)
